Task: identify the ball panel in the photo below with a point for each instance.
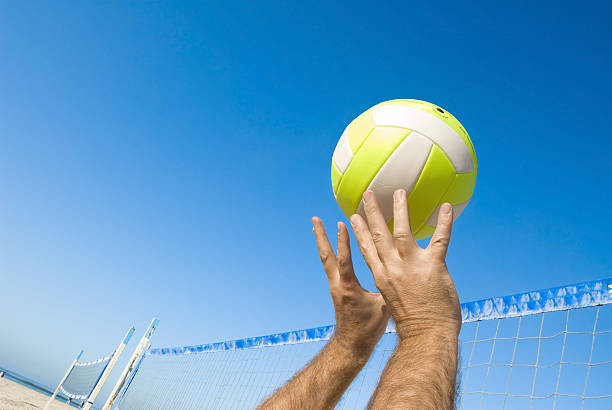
(359, 129)
(375, 150)
(401, 170)
(445, 116)
(461, 189)
(437, 175)
(342, 154)
(429, 125)
(336, 176)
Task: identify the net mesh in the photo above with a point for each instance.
(82, 379)
(553, 360)
(548, 349)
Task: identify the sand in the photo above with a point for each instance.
(15, 396)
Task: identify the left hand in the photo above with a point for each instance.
(361, 315)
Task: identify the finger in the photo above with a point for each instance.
(326, 253)
(366, 245)
(402, 232)
(378, 228)
(345, 261)
(441, 237)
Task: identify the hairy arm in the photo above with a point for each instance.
(423, 302)
(420, 374)
(322, 382)
(361, 319)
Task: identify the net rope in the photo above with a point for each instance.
(544, 349)
(83, 377)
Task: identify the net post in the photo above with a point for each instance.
(50, 401)
(136, 357)
(109, 367)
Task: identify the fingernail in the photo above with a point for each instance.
(398, 194)
(446, 208)
(367, 196)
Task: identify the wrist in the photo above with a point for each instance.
(350, 349)
(427, 329)
(445, 338)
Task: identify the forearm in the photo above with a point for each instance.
(320, 385)
(421, 374)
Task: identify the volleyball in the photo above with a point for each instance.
(409, 144)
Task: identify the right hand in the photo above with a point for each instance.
(361, 315)
(414, 282)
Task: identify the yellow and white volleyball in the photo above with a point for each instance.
(407, 144)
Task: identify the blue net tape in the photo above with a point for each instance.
(293, 337)
(579, 295)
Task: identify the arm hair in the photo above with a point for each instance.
(421, 374)
(321, 383)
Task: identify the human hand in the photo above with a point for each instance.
(361, 316)
(414, 282)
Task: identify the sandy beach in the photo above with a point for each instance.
(15, 396)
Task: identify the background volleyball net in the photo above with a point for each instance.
(543, 349)
(84, 380)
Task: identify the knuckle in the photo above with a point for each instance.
(346, 299)
(344, 263)
(325, 257)
(401, 235)
(342, 294)
(377, 235)
(440, 240)
(381, 282)
(396, 275)
(370, 210)
(365, 248)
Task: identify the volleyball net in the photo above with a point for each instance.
(84, 380)
(543, 349)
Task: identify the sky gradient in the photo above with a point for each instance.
(163, 159)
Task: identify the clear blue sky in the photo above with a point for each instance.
(164, 159)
